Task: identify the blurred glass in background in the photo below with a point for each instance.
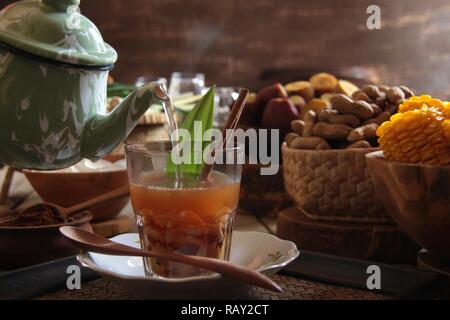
(224, 100)
(182, 83)
(147, 79)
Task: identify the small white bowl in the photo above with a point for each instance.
(259, 251)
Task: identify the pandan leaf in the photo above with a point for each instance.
(203, 113)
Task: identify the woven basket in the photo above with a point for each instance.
(262, 195)
(332, 184)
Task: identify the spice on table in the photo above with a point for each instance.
(43, 216)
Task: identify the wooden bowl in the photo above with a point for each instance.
(69, 188)
(25, 246)
(418, 198)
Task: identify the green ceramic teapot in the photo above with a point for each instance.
(54, 69)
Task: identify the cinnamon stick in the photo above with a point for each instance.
(6, 185)
(230, 124)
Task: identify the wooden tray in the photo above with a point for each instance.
(368, 241)
(311, 276)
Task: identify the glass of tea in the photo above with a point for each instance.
(179, 213)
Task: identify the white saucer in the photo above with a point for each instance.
(260, 251)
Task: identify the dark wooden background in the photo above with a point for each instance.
(234, 41)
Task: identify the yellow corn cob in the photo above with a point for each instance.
(416, 102)
(446, 126)
(417, 134)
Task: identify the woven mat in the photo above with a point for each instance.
(294, 289)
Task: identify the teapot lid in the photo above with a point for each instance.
(55, 30)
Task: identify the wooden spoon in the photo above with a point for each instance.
(66, 212)
(95, 243)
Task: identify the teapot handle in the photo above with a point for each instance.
(61, 5)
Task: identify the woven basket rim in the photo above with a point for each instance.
(361, 150)
(382, 220)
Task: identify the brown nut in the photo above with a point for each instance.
(341, 103)
(383, 88)
(376, 109)
(326, 97)
(323, 146)
(302, 88)
(290, 137)
(360, 95)
(372, 91)
(381, 102)
(407, 91)
(362, 110)
(310, 121)
(347, 119)
(298, 126)
(391, 109)
(394, 94)
(399, 102)
(359, 145)
(315, 105)
(347, 88)
(325, 114)
(365, 132)
(383, 117)
(331, 131)
(310, 143)
(324, 82)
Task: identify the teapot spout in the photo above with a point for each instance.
(105, 132)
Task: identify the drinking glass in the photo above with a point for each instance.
(183, 215)
(184, 83)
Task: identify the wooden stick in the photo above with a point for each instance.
(6, 184)
(231, 124)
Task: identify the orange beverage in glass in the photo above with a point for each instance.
(186, 216)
